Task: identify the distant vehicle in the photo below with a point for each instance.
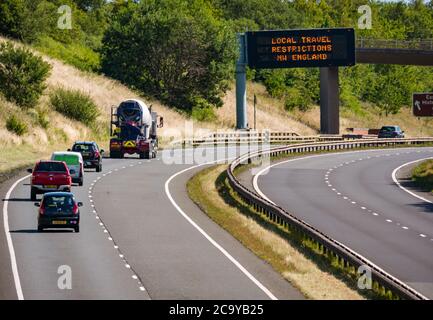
(74, 161)
(91, 153)
(58, 210)
(134, 130)
(391, 132)
(48, 176)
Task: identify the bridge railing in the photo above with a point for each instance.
(382, 281)
(422, 44)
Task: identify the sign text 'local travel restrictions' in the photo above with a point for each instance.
(301, 48)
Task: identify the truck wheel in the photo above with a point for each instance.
(146, 155)
(142, 155)
(114, 154)
(33, 194)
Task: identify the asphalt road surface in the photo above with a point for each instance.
(141, 238)
(353, 198)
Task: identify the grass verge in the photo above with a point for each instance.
(294, 258)
(422, 175)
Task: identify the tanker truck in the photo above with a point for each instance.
(133, 130)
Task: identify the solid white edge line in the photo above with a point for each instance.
(209, 238)
(256, 177)
(14, 266)
(394, 178)
(258, 174)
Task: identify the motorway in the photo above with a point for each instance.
(352, 197)
(141, 237)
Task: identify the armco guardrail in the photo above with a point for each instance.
(254, 138)
(346, 256)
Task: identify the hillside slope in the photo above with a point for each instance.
(61, 132)
(39, 142)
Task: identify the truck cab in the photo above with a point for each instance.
(133, 130)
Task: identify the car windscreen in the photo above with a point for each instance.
(82, 147)
(58, 204)
(71, 160)
(50, 167)
(388, 129)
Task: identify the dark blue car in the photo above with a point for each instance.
(58, 210)
(391, 132)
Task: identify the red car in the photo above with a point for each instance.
(49, 176)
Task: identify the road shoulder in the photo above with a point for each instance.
(7, 284)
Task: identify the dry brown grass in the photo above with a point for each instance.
(270, 112)
(107, 93)
(303, 273)
(371, 118)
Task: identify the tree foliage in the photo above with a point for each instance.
(178, 51)
(22, 75)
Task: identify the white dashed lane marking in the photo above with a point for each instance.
(364, 208)
(105, 230)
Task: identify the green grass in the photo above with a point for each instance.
(75, 54)
(16, 125)
(422, 175)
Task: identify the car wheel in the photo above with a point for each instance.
(77, 229)
(33, 194)
(99, 168)
(81, 182)
(40, 229)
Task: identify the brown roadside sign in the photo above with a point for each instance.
(422, 104)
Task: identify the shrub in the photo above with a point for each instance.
(202, 110)
(22, 75)
(296, 98)
(42, 118)
(16, 125)
(75, 105)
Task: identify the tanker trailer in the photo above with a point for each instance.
(134, 130)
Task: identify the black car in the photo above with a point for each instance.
(391, 132)
(92, 155)
(58, 210)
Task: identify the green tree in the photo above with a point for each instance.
(16, 20)
(176, 50)
(22, 75)
(393, 88)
